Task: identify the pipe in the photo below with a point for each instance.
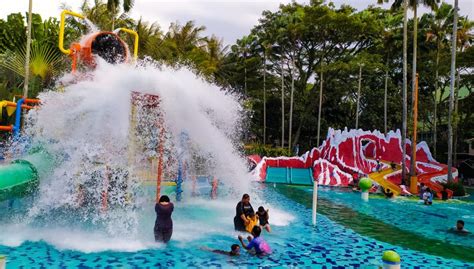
(160, 158)
(214, 188)
(16, 128)
(179, 181)
(21, 176)
(135, 42)
(6, 128)
(413, 176)
(17, 179)
(61, 29)
(12, 104)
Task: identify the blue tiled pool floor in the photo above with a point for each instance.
(297, 245)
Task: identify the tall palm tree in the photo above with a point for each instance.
(113, 6)
(464, 40)
(282, 103)
(358, 96)
(321, 81)
(414, 5)
(451, 90)
(294, 25)
(28, 44)
(404, 4)
(266, 47)
(392, 23)
(437, 32)
(103, 17)
(148, 34)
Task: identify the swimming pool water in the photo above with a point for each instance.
(297, 245)
(409, 214)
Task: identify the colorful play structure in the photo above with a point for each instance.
(348, 155)
(19, 177)
(16, 107)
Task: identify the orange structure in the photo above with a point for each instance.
(105, 44)
(414, 178)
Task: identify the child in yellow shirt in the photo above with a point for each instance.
(253, 220)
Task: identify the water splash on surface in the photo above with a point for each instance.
(101, 143)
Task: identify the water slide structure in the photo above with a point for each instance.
(21, 176)
(347, 154)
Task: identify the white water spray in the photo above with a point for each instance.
(87, 129)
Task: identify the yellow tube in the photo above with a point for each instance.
(135, 43)
(61, 29)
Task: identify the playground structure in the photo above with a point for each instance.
(16, 107)
(348, 154)
(21, 176)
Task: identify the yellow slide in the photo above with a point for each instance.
(379, 178)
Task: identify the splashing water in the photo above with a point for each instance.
(99, 147)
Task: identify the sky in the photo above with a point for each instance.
(227, 19)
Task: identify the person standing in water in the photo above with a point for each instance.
(163, 224)
(242, 211)
(263, 218)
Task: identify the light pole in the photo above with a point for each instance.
(358, 96)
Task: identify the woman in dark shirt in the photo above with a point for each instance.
(242, 211)
(163, 224)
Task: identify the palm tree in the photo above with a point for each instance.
(392, 22)
(437, 32)
(404, 4)
(451, 90)
(100, 15)
(321, 81)
(266, 46)
(28, 44)
(414, 5)
(358, 96)
(210, 57)
(464, 39)
(148, 34)
(112, 7)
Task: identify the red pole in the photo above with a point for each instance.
(194, 186)
(414, 178)
(214, 188)
(105, 190)
(6, 128)
(160, 159)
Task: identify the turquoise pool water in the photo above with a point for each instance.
(410, 214)
(296, 243)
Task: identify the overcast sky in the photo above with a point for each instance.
(228, 19)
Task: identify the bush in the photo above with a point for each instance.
(456, 187)
(263, 150)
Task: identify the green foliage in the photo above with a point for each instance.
(299, 41)
(46, 61)
(456, 187)
(265, 150)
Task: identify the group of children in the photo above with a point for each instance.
(256, 221)
(260, 218)
(247, 220)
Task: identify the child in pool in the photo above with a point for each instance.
(459, 229)
(263, 218)
(252, 222)
(234, 250)
(258, 243)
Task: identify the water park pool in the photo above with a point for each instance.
(409, 214)
(343, 238)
